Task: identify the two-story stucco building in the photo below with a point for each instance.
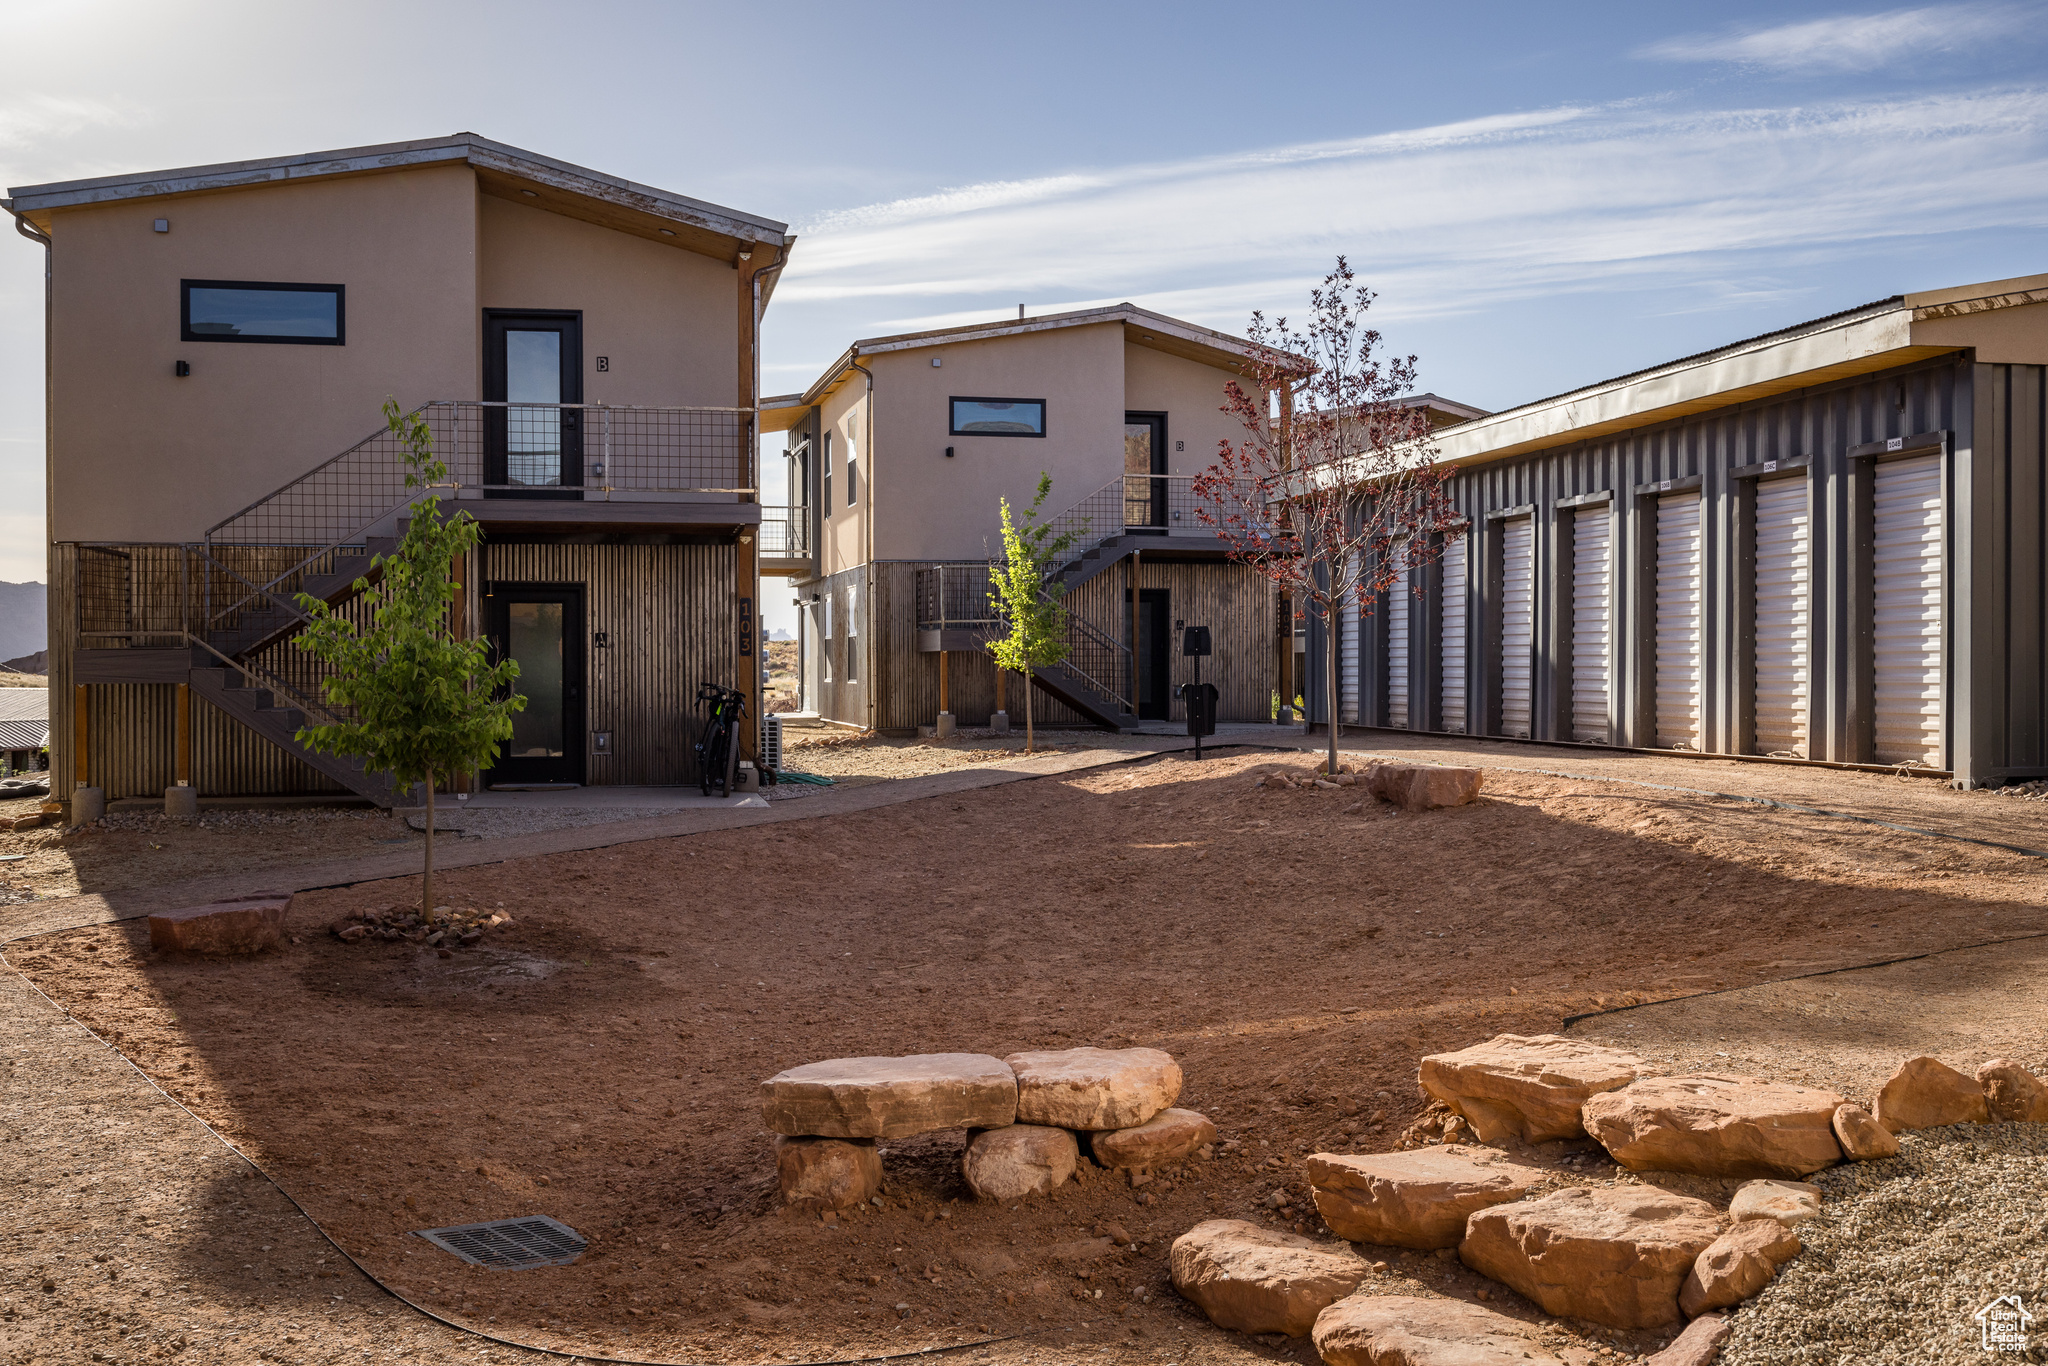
(221, 339)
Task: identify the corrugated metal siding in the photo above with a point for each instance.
(1517, 625)
(1907, 611)
(1350, 669)
(1455, 611)
(1592, 622)
(1783, 589)
(1400, 599)
(1678, 633)
(2000, 596)
(668, 611)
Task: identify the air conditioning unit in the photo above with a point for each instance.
(771, 742)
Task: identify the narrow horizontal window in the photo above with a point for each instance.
(998, 417)
(248, 311)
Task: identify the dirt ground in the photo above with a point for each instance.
(1296, 950)
(854, 760)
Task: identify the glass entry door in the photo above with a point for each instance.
(533, 358)
(1144, 457)
(540, 626)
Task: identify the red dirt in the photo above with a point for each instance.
(1296, 950)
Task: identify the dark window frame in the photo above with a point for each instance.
(952, 430)
(340, 293)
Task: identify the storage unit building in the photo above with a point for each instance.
(1828, 543)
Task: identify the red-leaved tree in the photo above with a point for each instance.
(1334, 493)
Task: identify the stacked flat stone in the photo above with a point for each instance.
(1027, 1117)
(1626, 1256)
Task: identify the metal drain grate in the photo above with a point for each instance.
(509, 1244)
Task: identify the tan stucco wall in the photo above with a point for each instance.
(1191, 395)
(141, 455)
(667, 319)
(2005, 336)
(932, 508)
(842, 414)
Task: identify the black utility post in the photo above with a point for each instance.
(1199, 696)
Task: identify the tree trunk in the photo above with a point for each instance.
(1027, 710)
(427, 882)
(1332, 633)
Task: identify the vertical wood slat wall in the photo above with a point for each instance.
(668, 611)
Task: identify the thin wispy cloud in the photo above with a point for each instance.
(1448, 221)
(1849, 42)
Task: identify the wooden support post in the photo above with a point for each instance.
(1131, 578)
(942, 681)
(81, 726)
(184, 722)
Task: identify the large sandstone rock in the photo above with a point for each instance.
(1259, 1280)
(1094, 1088)
(1531, 1086)
(1419, 1198)
(1736, 1265)
(827, 1173)
(1699, 1345)
(243, 924)
(1408, 1330)
(1790, 1203)
(1616, 1255)
(1422, 787)
(891, 1097)
(1862, 1138)
(1717, 1126)
(1020, 1160)
(1160, 1141)
(2011, 1092)
(1925, 1093)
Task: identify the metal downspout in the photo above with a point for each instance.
(756, 627)
(869, 519)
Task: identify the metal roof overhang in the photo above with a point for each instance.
(1878, 336)
(502, 171)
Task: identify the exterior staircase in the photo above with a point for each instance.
(257, 709)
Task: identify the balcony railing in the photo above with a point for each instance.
(785, 531)
(590, 451)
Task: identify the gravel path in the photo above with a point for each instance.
(1905, 1253)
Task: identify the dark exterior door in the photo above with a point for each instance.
(1144, 458)
(541, 627)
(1154, 697)
(533, 364)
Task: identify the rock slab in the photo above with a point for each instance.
(1019, 1160)
(1408, 1330)
(1926, 1093)
(1862, 1138)
(1699, 1345)
(890, 1097)
(827, 1173)
(1420, 1198)
(1736, 1265)
(243, 924)
(1527, 1086)
(1094, 1088)
(1728, 1126)
(2011, 1092)
(1160, 1141)
(1260, 1280)
(1616, 1255)
(1423, 787)
(1789, 1203)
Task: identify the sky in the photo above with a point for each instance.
(1543, 195)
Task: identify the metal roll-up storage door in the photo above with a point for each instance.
(1453, 636)
(1907, 607)
(1783, 571)
(1592, 596)
(1517, 623)
(1399, 598)
(1347, 667)
(1679, 661)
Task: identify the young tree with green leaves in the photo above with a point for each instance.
(1026, 600)
(427, 704)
